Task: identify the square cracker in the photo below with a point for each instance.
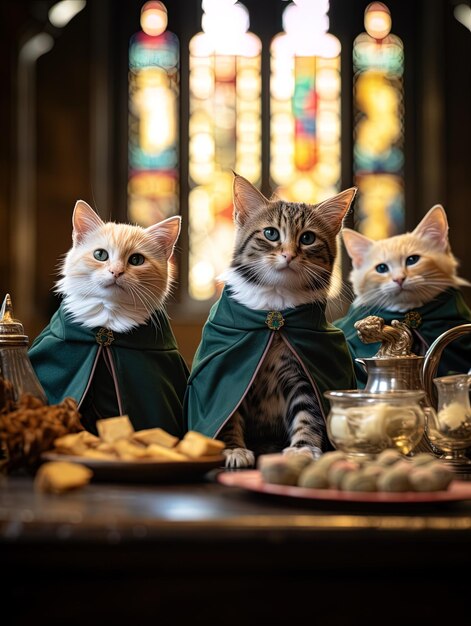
(155, 435)
(196, 445)
(113, 428)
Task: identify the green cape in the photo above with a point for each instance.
(233, 345)
(427, 322)
(150, 373)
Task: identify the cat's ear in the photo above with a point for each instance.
(165, 234)
(84, 220)
(334, 209)
(247, 199)
(357, 245)
(434, 227)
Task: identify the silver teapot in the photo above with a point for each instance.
(394, 366)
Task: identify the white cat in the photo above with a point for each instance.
(116, 275)
(110, 345)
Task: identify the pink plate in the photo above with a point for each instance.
(252, 481)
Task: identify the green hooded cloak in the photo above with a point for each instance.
(140, 373)
(234, 343)
(427, 322)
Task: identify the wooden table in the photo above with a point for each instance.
(209, 554)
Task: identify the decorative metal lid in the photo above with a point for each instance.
(11, 330)
(396, 340)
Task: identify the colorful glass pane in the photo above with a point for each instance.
(378, 153)
(225, 136)
(305, 105)
(153, 180)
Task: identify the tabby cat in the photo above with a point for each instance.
(283, 260)
(110, 345)
(411, 277)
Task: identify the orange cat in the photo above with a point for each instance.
(405, 271)
(411, 277)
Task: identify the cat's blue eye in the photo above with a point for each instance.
(136, 259)
(382, 268)
(307, 238)
(100, 254)
(271, 234)
(412, 259)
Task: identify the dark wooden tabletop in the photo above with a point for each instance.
(114, 512)
(110, 552)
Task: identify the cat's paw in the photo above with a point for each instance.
(238, 458)
(312, 451)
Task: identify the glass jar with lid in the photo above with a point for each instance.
(362, 423)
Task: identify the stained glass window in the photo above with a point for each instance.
(224, 135)
(378, 158)
(305, 104)
(153, 180)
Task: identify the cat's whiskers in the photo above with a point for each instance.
(321, 277)
(346, 293)
(91, 289)
(145, 297)
(152, 306)
(372, 297)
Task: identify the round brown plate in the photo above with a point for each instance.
(143, 470)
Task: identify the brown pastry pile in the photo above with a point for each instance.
(29, 427)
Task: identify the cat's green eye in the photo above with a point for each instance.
(412, 259)
(382, 268)
(100, 254)
(136, 259)
(271, 234)
(307, 238)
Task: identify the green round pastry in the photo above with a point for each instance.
(424, 479)
(358, 480)
(389, 457)
(279, 473)
(299, 461)
(313, 477)
(328, 458)
(444, 475)
(337, 471)
(374, 469)
(423, 458)
(396, 477)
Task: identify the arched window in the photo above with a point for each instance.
(378, 157)
(305, 104)
(153, 180)
(224, 135)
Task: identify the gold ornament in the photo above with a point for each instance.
(413, 319)
(104, 337)
(274, 320)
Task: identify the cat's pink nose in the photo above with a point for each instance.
(399, 280)
(116, 271)
(288, 256)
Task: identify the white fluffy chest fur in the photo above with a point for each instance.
(96, 310)
(261, 297)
